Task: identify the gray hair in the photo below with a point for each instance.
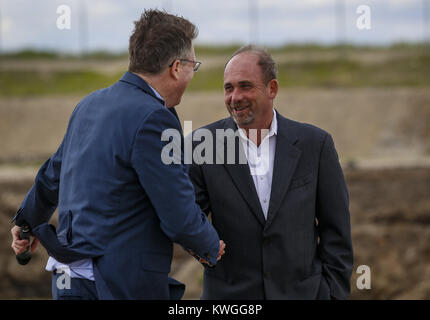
(265, 61)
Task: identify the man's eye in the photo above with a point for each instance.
(227, 89)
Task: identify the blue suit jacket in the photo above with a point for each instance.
(117, 202)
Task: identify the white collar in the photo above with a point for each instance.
(157, 94)
(274, 125)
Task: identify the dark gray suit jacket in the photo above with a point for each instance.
(304, 249)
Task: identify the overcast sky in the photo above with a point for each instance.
(108, 23)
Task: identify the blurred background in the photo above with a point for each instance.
(358, 69)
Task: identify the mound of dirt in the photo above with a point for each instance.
(390, 218)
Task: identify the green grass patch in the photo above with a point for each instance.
(32, 54)
(211, 79)
(228, 50)
(341, 70)
(412, 71)
(33, 83)
(204, 49)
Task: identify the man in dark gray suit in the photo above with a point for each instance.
(284, 210)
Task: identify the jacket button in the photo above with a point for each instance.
(267, 274)
(266, 242)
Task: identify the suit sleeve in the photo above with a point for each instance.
(42, 199)
(335, 248)
(169, 188)
(198, 180)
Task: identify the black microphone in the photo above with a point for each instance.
(24, 257)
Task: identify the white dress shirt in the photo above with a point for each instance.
(261, 160)
(77, 269)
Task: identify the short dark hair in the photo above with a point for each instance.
(158, 39)
(265, 61)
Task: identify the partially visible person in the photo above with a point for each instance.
(119, 207)
(284, 211)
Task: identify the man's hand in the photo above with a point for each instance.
(19, 246)
(221, 250)
(220, 253)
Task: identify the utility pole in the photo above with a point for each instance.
(426, 22)
(1, 31)
(83, 29)
(253, 21)
(340, 10)
(167, 5)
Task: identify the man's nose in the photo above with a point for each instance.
(236, 96)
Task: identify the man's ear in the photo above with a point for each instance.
(273, 86)
(175, 69)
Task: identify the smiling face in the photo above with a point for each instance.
(247, 98)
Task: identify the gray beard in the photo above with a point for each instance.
(243, 121)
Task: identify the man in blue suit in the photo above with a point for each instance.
(120, 208)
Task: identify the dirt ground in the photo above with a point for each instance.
(366, 123)
(390, 217)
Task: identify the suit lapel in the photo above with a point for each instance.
(241, 175)
(286, 159)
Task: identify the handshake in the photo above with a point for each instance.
(221, 252)
(21, 245)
